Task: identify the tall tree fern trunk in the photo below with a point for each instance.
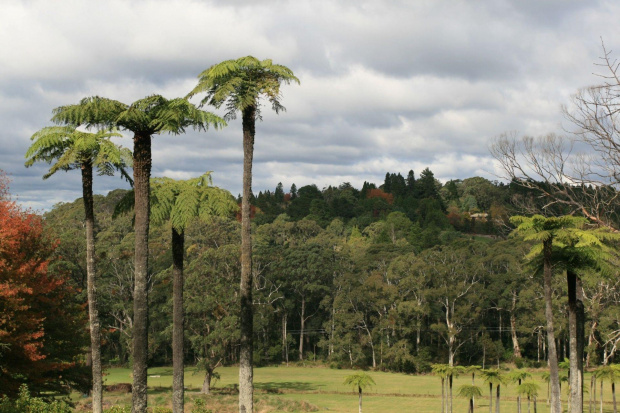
(575, 376)
(554, 379)
(246, 386)
(360, 399)
(443, 395)
(581, 338)
(497, 399)
(141, 176)
(178, 241)
(93, 314)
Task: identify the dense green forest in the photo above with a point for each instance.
(395, 276)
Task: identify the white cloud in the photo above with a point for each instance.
(386, 86)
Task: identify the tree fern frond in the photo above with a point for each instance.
(125, 204)
(91, 112)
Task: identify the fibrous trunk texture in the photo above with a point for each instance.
(360, 400)
(93, 314)
(554, 379)
(141, 176)
(246, 386)
(497, 400)
(575, 375)
(178, 240)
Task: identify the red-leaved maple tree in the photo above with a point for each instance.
(42, 329)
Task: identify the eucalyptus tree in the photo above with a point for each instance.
(359, 381)
(239, 84)
(145, 117)
(67, 148)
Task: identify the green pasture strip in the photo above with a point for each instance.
(324, 388)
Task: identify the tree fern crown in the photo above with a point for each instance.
(68, 148)
(151, 115)
(181, 201)
(238, 84)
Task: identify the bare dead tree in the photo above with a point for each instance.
(565, 180)
(557, 179)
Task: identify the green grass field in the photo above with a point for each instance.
(320, 389)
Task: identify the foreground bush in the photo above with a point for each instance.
(27, 404)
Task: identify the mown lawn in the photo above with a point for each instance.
(320, 389)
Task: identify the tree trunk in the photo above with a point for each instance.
(450, 382)
(443, 396)
(601, 394)
(360, 399)
(301, 334)
(91, 288)
(554, 379)
(178, 241)
(246, 373)
(417, 336)
(581, 340)
(141, 176)
(576, 384)
(471, 405)
(529, 402)
(497, 400)
(519, 400)
(333, 329)
(513, 327)
(206, 384)
(284, 337)
(591, 338)
(613, 395)
(592, 392)
(490, 397)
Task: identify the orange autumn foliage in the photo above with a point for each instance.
(378, 193)
(36, 323)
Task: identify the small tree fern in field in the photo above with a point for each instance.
(470, 391)
(530, 390)
(359, 381)
(517, 376)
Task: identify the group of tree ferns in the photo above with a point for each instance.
(394, 276)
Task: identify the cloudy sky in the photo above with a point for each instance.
(386, 85)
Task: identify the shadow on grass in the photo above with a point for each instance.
(159, 390)
(279, 387)
(160, 372)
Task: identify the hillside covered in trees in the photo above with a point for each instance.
(394, 276)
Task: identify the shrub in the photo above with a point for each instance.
(27, 404)
(200, 406)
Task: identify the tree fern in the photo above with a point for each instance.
(239, 83)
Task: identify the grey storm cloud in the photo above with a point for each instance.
(387, 85)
